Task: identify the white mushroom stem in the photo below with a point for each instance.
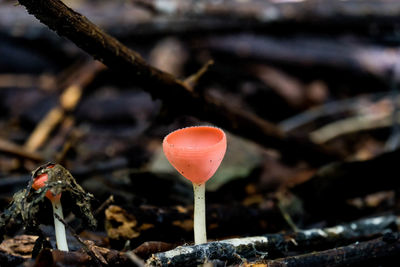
(59, 227)
(200, 234)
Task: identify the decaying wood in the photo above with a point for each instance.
(165, 86)
(378, 252)
(335, 183)
(272, 246)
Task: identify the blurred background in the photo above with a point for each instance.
(325, 73)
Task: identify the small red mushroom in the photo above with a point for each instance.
(59, 228)
(40, 181)
(196, 153)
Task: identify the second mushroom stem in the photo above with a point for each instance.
(59, 227)
(200, 234)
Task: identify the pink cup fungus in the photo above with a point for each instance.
(196, 153)
(41, 180)
(59, 228)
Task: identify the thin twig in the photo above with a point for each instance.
(98, 258)
(104, 205)
(193, 79)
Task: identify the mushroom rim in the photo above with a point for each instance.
(194, 149)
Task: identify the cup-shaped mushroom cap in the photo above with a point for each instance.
(195, 152)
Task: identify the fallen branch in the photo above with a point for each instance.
(175, 93)
(368, 253)
(275, 245)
